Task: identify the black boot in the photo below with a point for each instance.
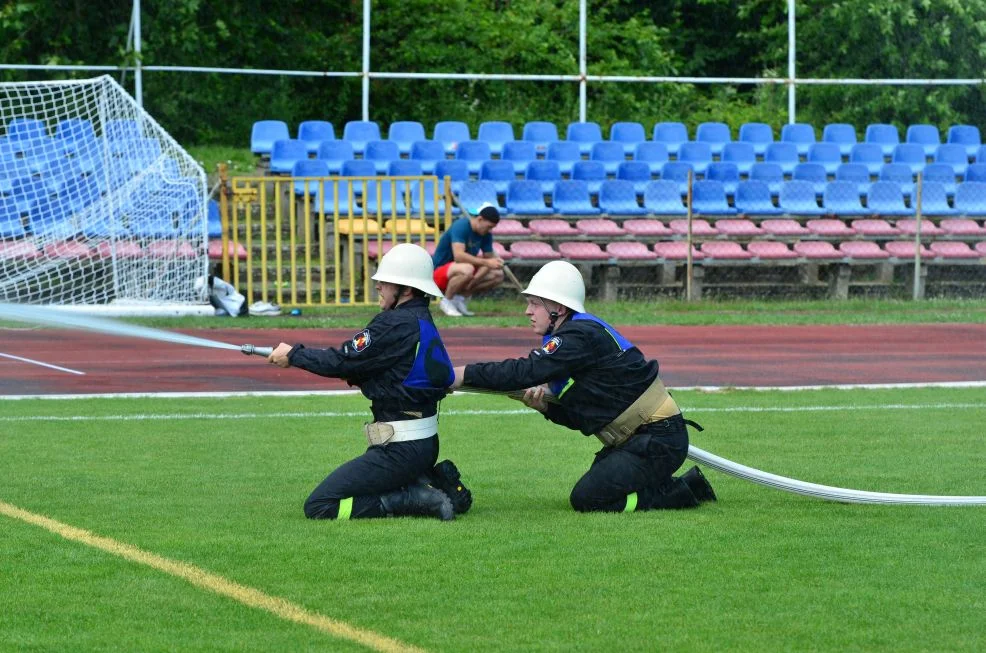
(698, 484)
(418, 499)
(674, 495)
(445, 476)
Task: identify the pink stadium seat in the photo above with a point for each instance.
(928, 228)
(170, 249)
(68, 249)
(644, 227)
(875, 227)
(699, 227)
(952, 249)
(862, 249)
(373, 251)
(676, 251)
(19, 250)
(501, 251)
(531, 249)
(981, 248)
(816, 249)
(770, 249)
(507, 228)
(600, 228)
(784, 227)
(552, 228)
(125, 249)
(725, 249)
(904, 249)
(962, 227)
(216, 249)
(829, 227)
(630, 251)
(738, 228)
(582, 251)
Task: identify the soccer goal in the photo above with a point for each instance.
(100, 209)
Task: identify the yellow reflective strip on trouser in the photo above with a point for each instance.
(631, 502)
(345, 508)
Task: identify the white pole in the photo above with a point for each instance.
(582, 65)
(138, 74)
(791, 116)
(366, 59)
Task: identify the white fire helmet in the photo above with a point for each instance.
(408, 264)
(560, 282)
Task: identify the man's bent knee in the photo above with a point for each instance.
(321, 508)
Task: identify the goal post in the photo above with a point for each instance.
(100, 208)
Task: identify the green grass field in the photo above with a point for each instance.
(219, 484)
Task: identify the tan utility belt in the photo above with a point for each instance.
(653, 405)
(378, 433)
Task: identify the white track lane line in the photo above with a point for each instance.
(48, 365)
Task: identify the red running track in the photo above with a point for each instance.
(689, 356)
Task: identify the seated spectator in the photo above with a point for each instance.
(465, 263)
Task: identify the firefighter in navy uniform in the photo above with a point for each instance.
(588, 377)
(399, 362)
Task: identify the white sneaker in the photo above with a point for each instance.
(460, 303)
(448, 308)
(264, 308)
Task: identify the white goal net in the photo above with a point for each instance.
(99, 206)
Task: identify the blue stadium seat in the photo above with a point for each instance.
(75, 129)
(383, 198)
(381, 153)
(934, 200)
(698, 154)
(474, 153)
(741, 155)
(884, 135)
(610, 154)
(899, 174)
(335, 153)
(886, 198)
(566, 153)
(423, 198)
(970, 198)
(285, 153)
(122, 128)
(857, 173)
(495, 133)
(519, 153)
(27, 192)
(586, 134)
(617, 197)
(474, 194)
(214, 220)
(758, 134)
(309, 168)
(828, 155)
(976, 172)
(636, 172)
(709, 198)
(942, 173)
(672, 135)
(955, 156)
(801, 134)
(726, 173)
(869, 154)
(313, 132)
(27, 129)
(429, 153)
(541, 133)
(359, 133)
(457, 172)
(716, 134)
(264, 133)
(798, 198)
(813, 173)
(628, 134)
(910, 154)
(405, 168)
(358, 168)
(591, 172)
(498, 172)
(842, 134)
(662, 197)
(841, 198)
(571, 197)
(967, 135)
(927, 136)
(653, 154)
(405, 133)
(525, 197)
(753, 198)
(546, 173)
(783, 154)
(678, 172)
(450, 133)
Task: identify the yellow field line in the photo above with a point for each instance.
(199, 577)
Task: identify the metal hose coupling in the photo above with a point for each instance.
(256, 351)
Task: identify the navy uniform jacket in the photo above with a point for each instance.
(402, 379)
(591, 368)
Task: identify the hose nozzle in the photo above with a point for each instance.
(256, 351)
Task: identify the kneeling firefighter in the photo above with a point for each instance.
(400, 364)
(588, 377)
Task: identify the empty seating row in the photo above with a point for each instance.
(20, 130)
(27, 249)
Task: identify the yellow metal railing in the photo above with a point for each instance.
(330, 247)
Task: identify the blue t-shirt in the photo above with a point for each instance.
(460, 232)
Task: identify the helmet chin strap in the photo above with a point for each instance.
(552, 318)
(397, 297)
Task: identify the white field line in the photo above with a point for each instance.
(332, 393)
(48, 365)
(452, 413)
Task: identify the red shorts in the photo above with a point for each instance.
(441, 276)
